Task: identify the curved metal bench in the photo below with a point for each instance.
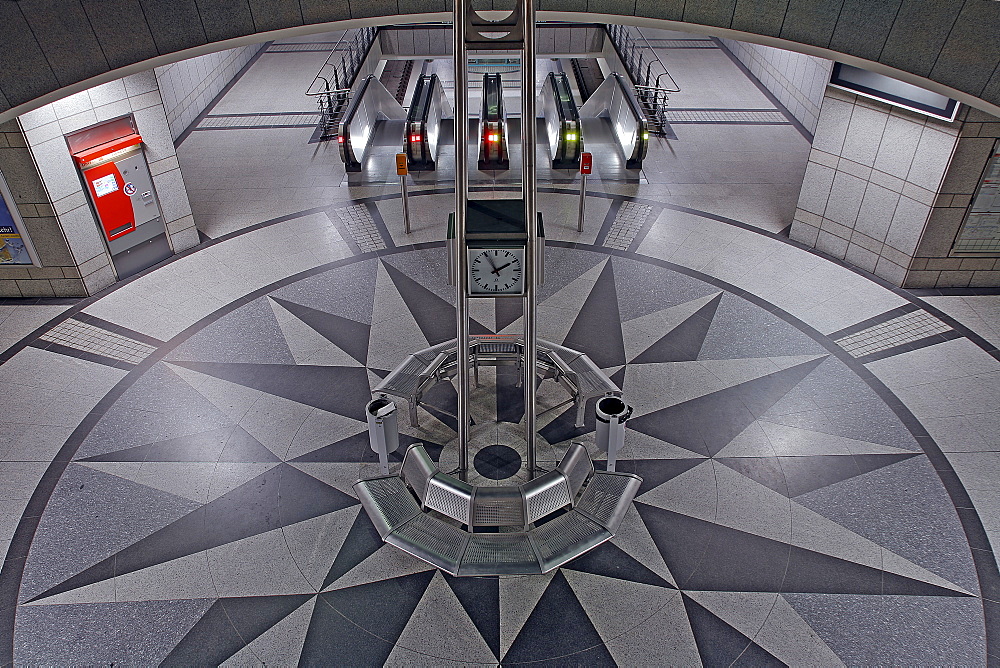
(423, 511)
(421, 370)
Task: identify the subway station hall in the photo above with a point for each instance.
(287, 379)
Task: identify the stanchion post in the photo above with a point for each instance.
(586, 166)
(402, 171)
(459, 21)
(528, 177)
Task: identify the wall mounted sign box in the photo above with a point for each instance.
(120, 188)
(496, 238)
(892, 91)
(15, 246)
(980, 233)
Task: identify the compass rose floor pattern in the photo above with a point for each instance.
(788, 514)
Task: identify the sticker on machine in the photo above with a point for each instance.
(129, 189)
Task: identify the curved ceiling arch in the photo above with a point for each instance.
(52, 50)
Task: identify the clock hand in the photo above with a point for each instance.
(496, 270)
(488, 259)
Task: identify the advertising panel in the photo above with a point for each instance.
(980, 231)
(15, 247)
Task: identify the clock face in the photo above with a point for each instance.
(496, 271)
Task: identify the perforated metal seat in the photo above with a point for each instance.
(544, 495)
(577, 467)
(497, 507)
(387, 501)
(417, 470)
(450, 496)
(433, 540)
(607, 498)
(499, 554)
(567, 537)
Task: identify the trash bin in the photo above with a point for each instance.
(612, 413)
(382, 429)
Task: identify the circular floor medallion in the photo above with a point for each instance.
(497, 462)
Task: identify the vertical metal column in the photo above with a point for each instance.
(530, 219)
(461, 206)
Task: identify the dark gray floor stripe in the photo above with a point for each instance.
(82, 354)
(768, 94)
(218, 98)
(118, 329)
(874, 320)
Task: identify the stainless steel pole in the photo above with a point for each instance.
(461, 205)
(406, 204)
(528, 178)
(583, 203)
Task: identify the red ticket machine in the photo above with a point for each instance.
(120, 187)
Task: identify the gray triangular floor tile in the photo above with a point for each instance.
(518, 597)
(484, 312)
(611, 603)
(281, 644)
(769, 621)
(250, 334)
(190, 480)
(394, 333)
(643, 446)
(320, 429)
(793, 441)
(188, 577)
(663, 639)
(347, 291)
(387, 562)
(900, 623)
(306, 344)
(232, 399)
(260, 565)
(230, 476)
(763, 334)
(751, 442)
(693, 493)
(641, 333)
(440, 627)
(336, 475)
(633, 537)
(315, 543)
(879, 504)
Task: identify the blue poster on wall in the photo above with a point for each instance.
(12, 246)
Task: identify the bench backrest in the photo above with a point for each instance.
(544, 495)
(496, 506)
(577, 467)
(450, 496)
(417, 470)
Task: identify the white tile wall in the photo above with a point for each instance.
(872, 176)
(797, 80)
(189, 86)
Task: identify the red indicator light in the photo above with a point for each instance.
(493, 138)
(340, 139)
(414, 138)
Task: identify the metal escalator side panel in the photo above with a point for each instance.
(562, 122)
(371, 104)
(424, 123)
(493, 126)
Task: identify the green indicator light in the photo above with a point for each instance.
(645, 135)
(570, 136)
